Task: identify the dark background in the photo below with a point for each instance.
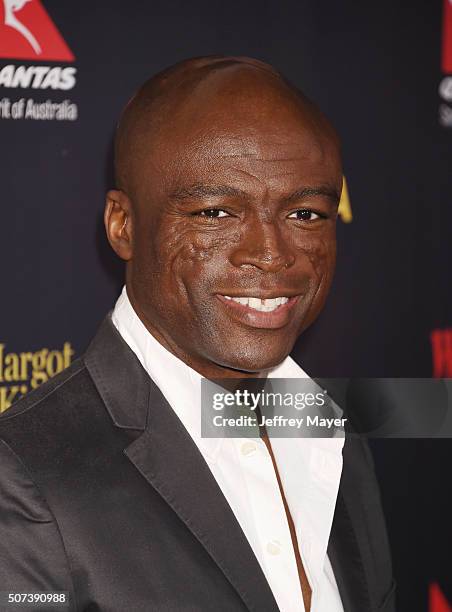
(374, 69)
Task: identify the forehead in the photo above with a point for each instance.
(259, 162)
(252, 160)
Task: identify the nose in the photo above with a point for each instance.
(263, 246)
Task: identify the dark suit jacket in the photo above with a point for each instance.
(103, 494)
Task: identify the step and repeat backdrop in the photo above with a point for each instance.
(382, 71)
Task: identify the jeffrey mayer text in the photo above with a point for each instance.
(278, 421)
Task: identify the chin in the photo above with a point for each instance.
(250, 362)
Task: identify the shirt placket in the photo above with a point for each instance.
(277, 557)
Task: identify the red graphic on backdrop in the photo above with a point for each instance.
(441, 340)
(447, 37)
(437, 601)
(27, 32)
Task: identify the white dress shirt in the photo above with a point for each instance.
(309, 469)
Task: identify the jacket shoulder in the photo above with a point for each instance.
(43, 392)
(62, 414)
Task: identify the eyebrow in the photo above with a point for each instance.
(206, 191)
(307, 192)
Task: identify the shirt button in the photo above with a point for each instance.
(274, 547)
(248, 448)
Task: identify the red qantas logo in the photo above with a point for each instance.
(438, 602)
(447, 37)
(441, 340)
(27, 32)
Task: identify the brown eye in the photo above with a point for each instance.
(213, 213)
(303, 214)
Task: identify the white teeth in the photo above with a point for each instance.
(262, 305)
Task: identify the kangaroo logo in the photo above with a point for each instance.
(11, 6)
(28, 32)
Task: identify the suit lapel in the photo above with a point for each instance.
(168, 459)
(344, 548)
(345, 558)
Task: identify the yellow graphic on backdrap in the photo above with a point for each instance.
(345, 209)
(21, 372)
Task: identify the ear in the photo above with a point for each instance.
(118, 223)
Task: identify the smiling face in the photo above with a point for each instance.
(230, 230)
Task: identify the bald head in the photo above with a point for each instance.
(243, 89)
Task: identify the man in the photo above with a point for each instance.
(228, 182)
